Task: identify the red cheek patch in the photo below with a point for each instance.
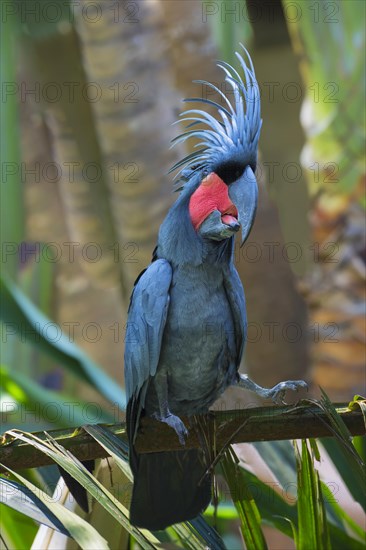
(211, 195)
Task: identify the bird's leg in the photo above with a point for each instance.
(164, 414)
(277, 393)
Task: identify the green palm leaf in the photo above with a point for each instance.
(18, 312)
(84, 534)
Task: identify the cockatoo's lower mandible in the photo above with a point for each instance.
(187, 320)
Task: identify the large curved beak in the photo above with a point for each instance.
(244, 194)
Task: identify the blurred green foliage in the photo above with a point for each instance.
(329, 38)
(332, 61)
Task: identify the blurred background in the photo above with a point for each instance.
(89, 94)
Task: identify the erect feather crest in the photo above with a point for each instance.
(235, 136)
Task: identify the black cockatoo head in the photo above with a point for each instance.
(228, 158)
(217, 182)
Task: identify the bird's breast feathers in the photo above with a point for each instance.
(198, 349)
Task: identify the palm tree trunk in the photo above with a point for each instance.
(128, 64)
(333, 159)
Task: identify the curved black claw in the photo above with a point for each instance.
(177, 425)
(277, 393)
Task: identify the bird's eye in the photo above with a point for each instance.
(230, 172)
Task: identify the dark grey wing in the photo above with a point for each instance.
(144, 333)
(145, 325)
(235, 293)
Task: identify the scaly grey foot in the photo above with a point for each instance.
(277, 393)
(175, 423)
